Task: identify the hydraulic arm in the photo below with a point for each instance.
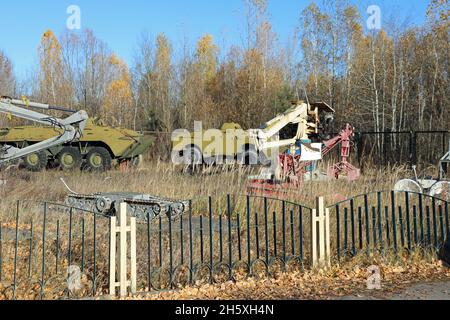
(69, 129)
(305, 116)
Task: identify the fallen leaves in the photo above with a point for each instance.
(338, 281)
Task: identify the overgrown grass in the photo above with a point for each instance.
(164, 180)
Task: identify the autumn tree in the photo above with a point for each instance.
(7, 82)
(438, 12)
(328, 36)
(7, 78)
(393, 79)
(260, 76)
(87, 60)
(118, 102)
(55, 86)
(197, 74)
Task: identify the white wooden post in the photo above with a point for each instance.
(320, 235)
(122, 229)
(133, 255)
(112, 256)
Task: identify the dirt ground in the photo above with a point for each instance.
(439, 290)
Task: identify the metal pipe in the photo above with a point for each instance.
(31, 104)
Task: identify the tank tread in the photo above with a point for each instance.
(141, 209)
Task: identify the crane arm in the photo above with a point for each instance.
(71, 127)
(296, 114)
(304, 115)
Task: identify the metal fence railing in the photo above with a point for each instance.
(219, 239)
(222, 239)
(401, 147)
(42, 243)
(389, 222)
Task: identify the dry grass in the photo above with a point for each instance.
(165, 180)
(162, 179)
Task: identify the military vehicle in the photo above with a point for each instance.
(98, 149)
(253, 146)
(141, 206)
(63, 131)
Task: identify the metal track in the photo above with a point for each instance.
(108, 205)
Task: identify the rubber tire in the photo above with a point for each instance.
(76, 155)
(194, 164)
(249, 157)
(40, 165)
(105, 157)
(137, 161)
(196, 157)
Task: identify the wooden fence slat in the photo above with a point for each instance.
(112, 257)
(123, 249)
(133, 255)
(123, 283)
(320, 235)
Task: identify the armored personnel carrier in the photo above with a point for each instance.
(99, 148)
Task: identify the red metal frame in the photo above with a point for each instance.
(294, 169)
(343, 167)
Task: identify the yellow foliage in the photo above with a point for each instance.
(118, 98)
(115, 61)
(163, 54)
(49, 41)
(206, 56)
(55, 86)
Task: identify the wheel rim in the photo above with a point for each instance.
(68, 160)
(33, 159)
(194, 157)
(96, 160)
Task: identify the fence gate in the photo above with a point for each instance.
(122, 230)
(320, 235)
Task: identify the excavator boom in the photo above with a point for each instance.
(307, 118)
(71, 128)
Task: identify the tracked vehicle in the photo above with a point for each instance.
(141, 206)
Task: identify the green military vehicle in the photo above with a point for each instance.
(99, 148)
(254, 146)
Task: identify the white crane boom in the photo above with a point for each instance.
(71, 127)
(306, 116)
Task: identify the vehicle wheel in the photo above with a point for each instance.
(193, 156)
(266, 162)
(98, 159)
(69, 158)
(192, 159)
(249, 156)
(35, 162)
(137, 161)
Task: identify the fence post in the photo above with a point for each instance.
(320, 235)
(122, 229)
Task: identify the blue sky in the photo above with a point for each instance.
(119, 23)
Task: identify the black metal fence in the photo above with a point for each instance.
(401, 147)
(38, 244)
(219, 239)
(390, 221)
